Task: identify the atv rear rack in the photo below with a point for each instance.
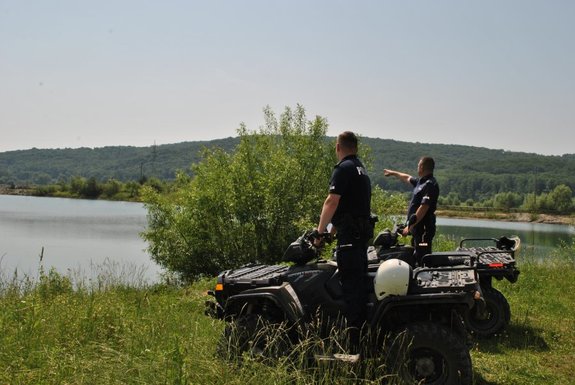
(494, 261)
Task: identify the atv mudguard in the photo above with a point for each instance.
(418, 301)
(284, 297)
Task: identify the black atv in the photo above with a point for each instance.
(414, 322)
(495, 258)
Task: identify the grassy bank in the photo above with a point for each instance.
(55, 331)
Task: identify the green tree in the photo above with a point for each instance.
(156, 184)
(451, 199)
(111, 188)
(77, 185)
(92, 189)
(530, 203)
(133, 189)
(246, 205)
(507, 200)
(544, 202)
(561, 196)
(389, 208)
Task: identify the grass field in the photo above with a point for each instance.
(57, 331)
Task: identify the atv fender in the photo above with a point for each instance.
(284, 297)
(433, 301)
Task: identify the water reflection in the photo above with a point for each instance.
(73, 234)
(537, 239)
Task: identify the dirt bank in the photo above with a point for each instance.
(5, 190)
(511, 217)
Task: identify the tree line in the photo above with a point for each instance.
(469, 172)
(92, 188)
(503, 181)
(557, 201)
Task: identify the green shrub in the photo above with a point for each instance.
(246, 205)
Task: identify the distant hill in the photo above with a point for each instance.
(471, 172)
(43, 166)
(474, 172)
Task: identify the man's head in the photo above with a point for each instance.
(425, 166)
(346, 144)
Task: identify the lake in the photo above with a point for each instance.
(85, 236)
(537, 239)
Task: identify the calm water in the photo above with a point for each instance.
(537, 239)
(79, 235)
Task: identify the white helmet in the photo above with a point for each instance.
(392, 278)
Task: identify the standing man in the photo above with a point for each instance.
(348, 208)
(421, 211)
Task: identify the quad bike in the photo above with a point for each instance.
(423, 307)
(494, 258)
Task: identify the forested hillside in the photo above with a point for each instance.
(124, 163)
(470, 172)
(473, 172)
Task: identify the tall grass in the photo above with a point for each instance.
(60, 329)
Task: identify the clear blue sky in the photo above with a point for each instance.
(495, 73)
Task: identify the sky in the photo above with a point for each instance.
(495, 73)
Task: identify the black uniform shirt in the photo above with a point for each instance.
(425, 192)
(350, 180)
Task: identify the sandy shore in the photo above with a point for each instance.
(510, 217)
(15, 191)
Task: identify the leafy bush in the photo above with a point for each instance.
(507, 200)
(244, 206)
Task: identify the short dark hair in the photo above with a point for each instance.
(348, 140)
(427, 163)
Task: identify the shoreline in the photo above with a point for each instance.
(552, 219)
(15, 191)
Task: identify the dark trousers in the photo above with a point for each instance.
(352, 266)
(422, 243)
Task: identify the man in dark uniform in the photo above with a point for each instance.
(348, 208)
(421, 211)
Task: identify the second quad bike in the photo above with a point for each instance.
(423, 307)
(494, 258)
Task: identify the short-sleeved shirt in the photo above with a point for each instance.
(425, 192)
(350, 181)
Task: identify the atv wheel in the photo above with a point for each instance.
(254, 335)
(496, 319)
(428, 353)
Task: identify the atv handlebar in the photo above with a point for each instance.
(325, 237)
(398, 228)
